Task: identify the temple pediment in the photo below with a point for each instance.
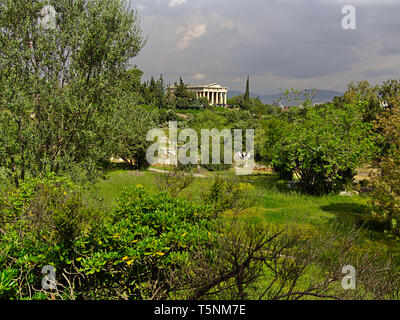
(214, 92)
(208, 86)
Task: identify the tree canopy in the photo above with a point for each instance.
(57, 87)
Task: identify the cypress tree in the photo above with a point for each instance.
(247, 94)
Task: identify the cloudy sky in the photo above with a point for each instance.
(279, 43)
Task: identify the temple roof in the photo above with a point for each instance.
(207, 86)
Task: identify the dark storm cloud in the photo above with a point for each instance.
(290, 41)
(379, 72)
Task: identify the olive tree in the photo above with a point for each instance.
(57, 80)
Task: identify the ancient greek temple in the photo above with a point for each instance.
(216, 94)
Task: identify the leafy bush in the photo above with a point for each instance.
(146, 238)
(40, 224)
(176, 180)
(268, 138)
(124, 254)
(386, 194)
(130, 127)
(225, 194)
(321, 145)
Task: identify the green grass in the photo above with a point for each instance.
(271, 203)
(111, 188)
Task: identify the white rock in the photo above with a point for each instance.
(348, 194)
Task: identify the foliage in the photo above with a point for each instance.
(253, 105)
(130, 81)
(294, 97)
(123, 255)
(216, 167)
(153, 92)
(146, 238)
(56, 89)
(129, 129)
(363, 92)
(328, 146)
(165, 116)
(175, 181)
(183, 98)
(271, 132)
(389, 91)
(223, 119)
(41, 222)
(247, 93)
(225, 194)
(251, 262)
(386, 194)
(322, 145)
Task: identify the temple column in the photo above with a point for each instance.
(212, 97)
(225, 98)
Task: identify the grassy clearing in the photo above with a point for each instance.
(271, 204)
(111, 188)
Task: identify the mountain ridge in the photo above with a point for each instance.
(322, 96)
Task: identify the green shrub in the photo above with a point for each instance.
(127, 253)
(225, 194)
(41, 222)
(321, 145)
(386, 193)
(146, 238)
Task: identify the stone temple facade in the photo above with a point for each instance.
(215, 93)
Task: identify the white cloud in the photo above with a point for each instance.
(363, 2)
(229, 24)
(191, 32)
(199, 76)
(175, 3)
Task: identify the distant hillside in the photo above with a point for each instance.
(322, 96)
